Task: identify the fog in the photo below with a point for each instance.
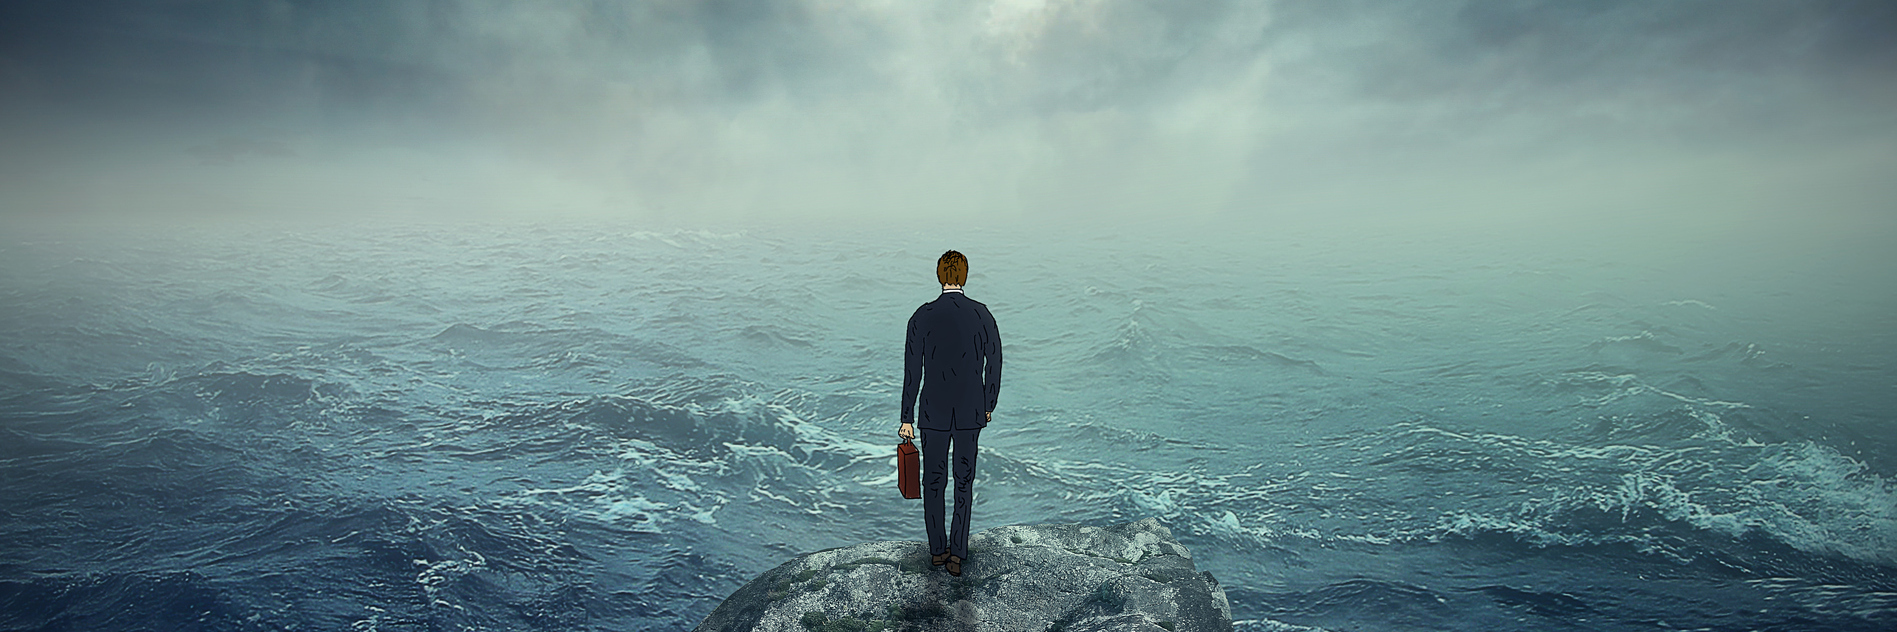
(1238, 114)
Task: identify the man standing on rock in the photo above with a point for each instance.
(952, 360)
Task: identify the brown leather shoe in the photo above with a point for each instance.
(938, 560)
(954, 566)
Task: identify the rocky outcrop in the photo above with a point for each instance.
(1059, 577)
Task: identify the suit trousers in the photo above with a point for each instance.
(936, 445)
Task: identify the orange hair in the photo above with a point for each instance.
(952, 268)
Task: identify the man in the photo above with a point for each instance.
(953, 360)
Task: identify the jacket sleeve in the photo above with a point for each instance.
(990, 359)
(911, 369)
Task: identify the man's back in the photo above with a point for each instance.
(952, 362)
(953, 358)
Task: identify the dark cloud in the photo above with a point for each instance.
(1651, 66)
(1079, 55)
(1033, 105)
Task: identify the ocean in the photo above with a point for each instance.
(598, 425)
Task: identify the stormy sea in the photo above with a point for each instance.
(603, 426)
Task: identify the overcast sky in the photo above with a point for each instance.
(911, 109)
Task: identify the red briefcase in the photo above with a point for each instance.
(908, 470)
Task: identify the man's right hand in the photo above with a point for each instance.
(906, 431)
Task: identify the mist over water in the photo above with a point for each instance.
(1402, 316)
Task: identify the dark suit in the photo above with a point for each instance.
(952, 367)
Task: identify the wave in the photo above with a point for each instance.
(520, 344)
(1689, 490)
(1271, 625)
(119, 600)
(1360, 600)
(1545, 603)
(1749, 354)
(1600, 385)
(400, 563)
(1806, 497)
(714, 447)
(18, 377)
(773, 337)
(1245, 354)
(1155, 346)
(1643, 341)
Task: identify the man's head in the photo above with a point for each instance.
(952, 268)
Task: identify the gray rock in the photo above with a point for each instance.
(1057, 577)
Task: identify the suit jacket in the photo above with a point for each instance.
(951, 364)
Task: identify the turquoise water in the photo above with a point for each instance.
(1372, 425)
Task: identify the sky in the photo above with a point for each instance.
(924, 112)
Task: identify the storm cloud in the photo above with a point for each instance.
(1011, 108)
